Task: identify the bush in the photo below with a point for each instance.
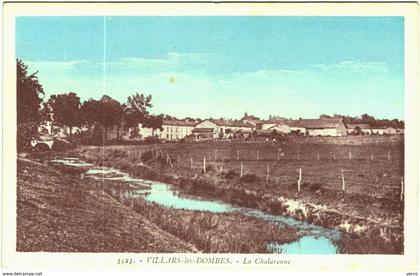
(119, 154)
(60, 145)
(41, 147)
(231, 174)
(151, 140)
(146, 156)
(249, 178)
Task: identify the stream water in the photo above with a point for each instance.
(313, 239)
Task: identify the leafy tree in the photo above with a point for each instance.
(91, 113)
(111, 114)
(136, 109)
(29, 93)
(65, 110)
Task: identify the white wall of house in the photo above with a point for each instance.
(390, 130)
(267, 126)
(323, 132)
(366, 131)
(281, 128)
(301, 129)
(175, 132)
(210, 124)
(380, 131)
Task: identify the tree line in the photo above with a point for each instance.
(99, 116)
(367, 119)
(67, 111)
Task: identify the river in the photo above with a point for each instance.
(313, 239)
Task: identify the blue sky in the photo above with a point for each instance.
(224, 66)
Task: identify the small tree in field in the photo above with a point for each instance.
(29, 93)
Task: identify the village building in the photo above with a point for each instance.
(384, 130)
(176, 129)
(250, 119)
(201, 133)
(318, 127)
(400, 131)
(172, 130)
(224, 128)
(267, 124)
(358, 129)
(281, 127)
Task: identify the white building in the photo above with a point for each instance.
(224, 128)
(172, 130)
(359, 128)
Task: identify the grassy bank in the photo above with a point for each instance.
(82, 215)
(366, 216)
(57, 212)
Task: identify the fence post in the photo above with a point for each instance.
(318, 155)
(204, 164)
(299, 179)
(343, 183)
(221, 167)
(389, 155)
(258, 155)
(237, 155)
(215, 155)
(242, 169)
(178, 160)
(268, 174)
(278, 155)
(349, 154)
(298, 154)
(191, 162)
(402, 189)
(168, 160)
(333, 156)
(371, 156)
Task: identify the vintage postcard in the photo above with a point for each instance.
(263, 136)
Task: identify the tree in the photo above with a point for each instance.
(29, 93)
(91, 113)
(136, 109)
(154, 122)
(65, 110)
(111, 114)
(357, 131)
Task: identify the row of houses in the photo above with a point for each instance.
(224, 129)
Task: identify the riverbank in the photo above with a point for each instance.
(373, 230)
(58, 211)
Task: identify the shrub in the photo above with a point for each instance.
(231, 174)
(41, 147)
(119, 154)
(146, 156)
(60, 145)
(151, 140)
